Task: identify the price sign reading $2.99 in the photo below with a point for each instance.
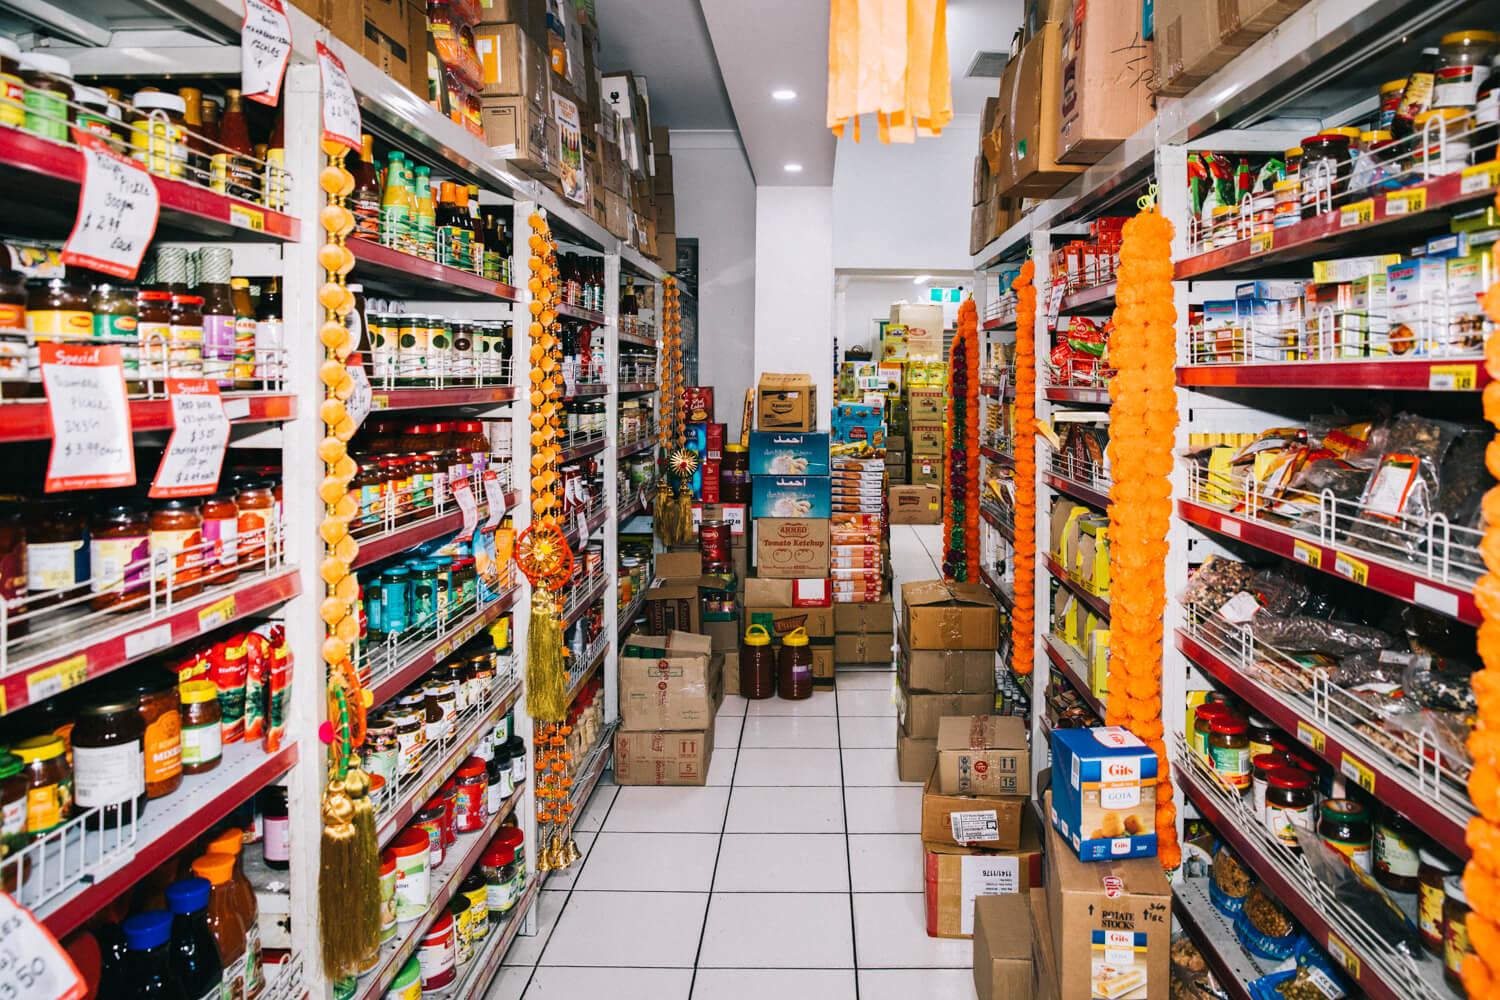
(117, 211)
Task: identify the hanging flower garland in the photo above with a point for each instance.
(961, 469)
(1023, 611)
(674, 512)
(348, 850)
(1142, 420)
(1481, 971)
(543, 552)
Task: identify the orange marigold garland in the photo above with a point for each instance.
(961, 466)
(1481, 970)
(1023, 611)
(1142, 420)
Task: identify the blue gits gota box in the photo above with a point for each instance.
(1104, 793)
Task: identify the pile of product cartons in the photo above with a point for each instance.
(670, 691)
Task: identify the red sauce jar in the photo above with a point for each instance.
(177, 540)
(430, 821)
(255, 504)
(221, 538)
(469, 793)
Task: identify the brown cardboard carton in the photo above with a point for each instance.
(1187, 49)
(1044, 962)
(1241, 22)
(672, 758)
(927, 473)
(824, 667)
(677, 691)
(1032, 169)
(863, 647)
(1002, 946)
(927, 438)
(392, 34)
(791, 548)
(955, 879)
(983, 755)
(926, 404)
(939, 615)
(725, 636)
(517, 131)
(511, 64)
(616, 212)
(989, 821)
(663, 176)
(531, 15)
(780, 621)
(1111, 923)
(945, 671)
(777, 593)
(877, 616)
(666, 250)
(915, 758)
(666, 214)
(979, 223)
(786, 402)
(731, 672)
(921, 711)
(916, 504)
(1106, 72)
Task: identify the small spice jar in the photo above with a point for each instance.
(158, 134)
(1289, 804)
(1261, 732)
(1324, 172)
(177, 545)
(1397, 841)
(202, 729)
(411, 737)
(1455, 931)
(49, 783)
(109, 762)
(431, 820)
(794, 667)
(1435, 869)
(1344, 826)
(12, 91)
(513, 838)
(499, 868)
(57, 559)
(1229, 751)
(411, 851)
(471, 791)
(757, 664)
(498, 786)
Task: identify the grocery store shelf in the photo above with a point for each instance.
(473, 981)
(461, 857)
(638, 388)
(585, 600)
(992, 391)
(636, 447)
(1095, 603)
(587, 390)
(433, 398)
(637, 505)
(628, 613)
(1078, 394)
(1422, 208)
(108, 644)
(166, 826)
(1439, 807)
(585, 780)
(1001, 458)
(429, 654)
(1000, 323)
(1078, 491)
(1405, 583)
(583, 450)
(417, 277)
(30, 420)
(1099, 299)
(592, 659)
(578, 538)
(991, 516)
(1002, 590)
(46, 178)
(1418, 374)
(373, 548)
(639, 339)
(578, 312)
(1069, 663)
(1214, 935)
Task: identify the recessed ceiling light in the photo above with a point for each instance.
(921, 279)
(792, 168)
(784, 94)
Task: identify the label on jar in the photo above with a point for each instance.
(1395, 856)
(119, 563)
(1357, 853)
(410, 746)
(154, 338)
(411, 886)
(46, 114)
(1282, 821)
(202, 744)
(435, 957)
(1430, 900)
(1232, 765)
(12, 100)
(108, 775)
(235, 979)
(500, 895)
(479, 906)
(182, 548)
(276, 842)
(221, 537)
(13, 817)
(164, 747)
(244, 348)
(218, 346)
(47, 806)
(1458, 86)
(1455, 944)
(184, 350)
(254, 967)
(56, 565)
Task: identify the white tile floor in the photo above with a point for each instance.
(795, 873)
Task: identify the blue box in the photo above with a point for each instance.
(858, 430)
(791, 496)
(788, 453)
(1104, 793)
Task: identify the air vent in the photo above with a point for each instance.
(986, 65)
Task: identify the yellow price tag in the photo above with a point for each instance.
(1351, 568)
(1261, 243)
(380, 402)
(1406, 202)
(217, 613)
(1357, 213)
(1312, 736)
(1342, 953)
(54, 680)
(1307, 553)
(1480, 177)
(1357, 771)
(1453, 378)
(247, 218)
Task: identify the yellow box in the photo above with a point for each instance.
(1098, 659)
(1092, 568)
(1065, 516)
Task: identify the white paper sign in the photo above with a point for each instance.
(360, 398)
(200, 434)
(494, 497)
(117, 211)
(979, 825)
(465, 499)
(265, 47)
(341, 121)
(1054, 304)
(985, 876)
(32, 963)
(91, 436)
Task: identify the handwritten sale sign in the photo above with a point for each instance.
(200, 434)
(341, 121)
(91, 434)
(117, 211)
(32, 963)
(265, 47)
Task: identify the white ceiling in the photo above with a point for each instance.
(667, 42)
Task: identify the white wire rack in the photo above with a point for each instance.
(583, 590)
(1079, 471)
(1002, 309)
(634, 326)
(1429, 547)
(1417, 977)
(1088, 373)
(449, 369)
(284, 981)
(1380, 728)
(1296, 330)
(585, 780)
(402, 510)
(583, 664)
(147, 361)
(637, 373)
(386, 656)
(580, 440)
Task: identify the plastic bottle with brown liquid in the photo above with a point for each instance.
(757, 664)
(794, 663)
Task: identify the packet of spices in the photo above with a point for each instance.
(278, 688)
(227, 670)
(257, 667)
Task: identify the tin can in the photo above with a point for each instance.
(714, 543)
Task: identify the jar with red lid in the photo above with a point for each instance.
(1229, 751)
(448, 793)
(469, 806)
(1289, 804)
(120, 556)
(430, 821)
(437, 955)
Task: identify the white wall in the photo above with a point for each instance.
(794, 285)
(715, 202)
(905, 206)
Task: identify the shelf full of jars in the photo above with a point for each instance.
(1320, 628)
(160, 637)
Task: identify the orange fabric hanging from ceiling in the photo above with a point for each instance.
(889, 58)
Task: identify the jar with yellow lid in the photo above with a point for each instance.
(757, 664)
(202, 727)
(49, 783)
(12, 89)
(158, 132)
(794, 666)
(1464, 59)
(1390, 102)
(1443, 141)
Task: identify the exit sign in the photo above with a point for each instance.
(954, 295)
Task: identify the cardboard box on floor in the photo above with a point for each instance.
(678, 691)
(983, 755)
(786, 402)
(1043, 961)
(945, 671)
(915, 758)
(675, 603)
(863, 647)
(1106, 75)
(1111, 923)
(791, 548)
(876, 616)
(730, 671)
(663, 758)
(955, 879)
(915, 504)
(920, 712)
(779, 593)
(987, 821)
(939, 615)
(1002, 946)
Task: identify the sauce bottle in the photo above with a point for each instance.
(365, 201)
(193, 956)
(794, 666)
(214, 267)
(225, 922)
(231, 843)
(148, 971)
(425, 214)
(244, 332)
(233, 162)
(396, 205)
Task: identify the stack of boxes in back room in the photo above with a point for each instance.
(1079, 541)
(912, 354)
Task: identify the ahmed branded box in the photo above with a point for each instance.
(945, 671)
(988, 821)
(1106, 72)
(915, 757)
(786, 402)
(791, 548)
(941, 615)
(921, 711)
(954, 879)
(788, 453)
(1002, 944)
(1103, 796)
(790, 496)
(663, 758)
(678, 689)
(765, 592)
(916, 505)
(877, 616)
(983, 755)
(863, 647)
(1111, 923)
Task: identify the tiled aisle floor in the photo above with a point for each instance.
(794, 874)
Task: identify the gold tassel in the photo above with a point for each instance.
(682, 524)
(546, 680)
(364, 891)
(571, 854)
(343, 947)
(661, 510)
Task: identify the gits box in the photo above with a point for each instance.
(1104, 793)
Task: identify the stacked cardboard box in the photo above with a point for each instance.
(670, 691)
(863, 633)
(1194, 40)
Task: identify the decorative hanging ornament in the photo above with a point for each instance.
(961, 463)
(1023, 610)
(889, 58)
(348, 879)
(673, 512)
(1142, 421)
